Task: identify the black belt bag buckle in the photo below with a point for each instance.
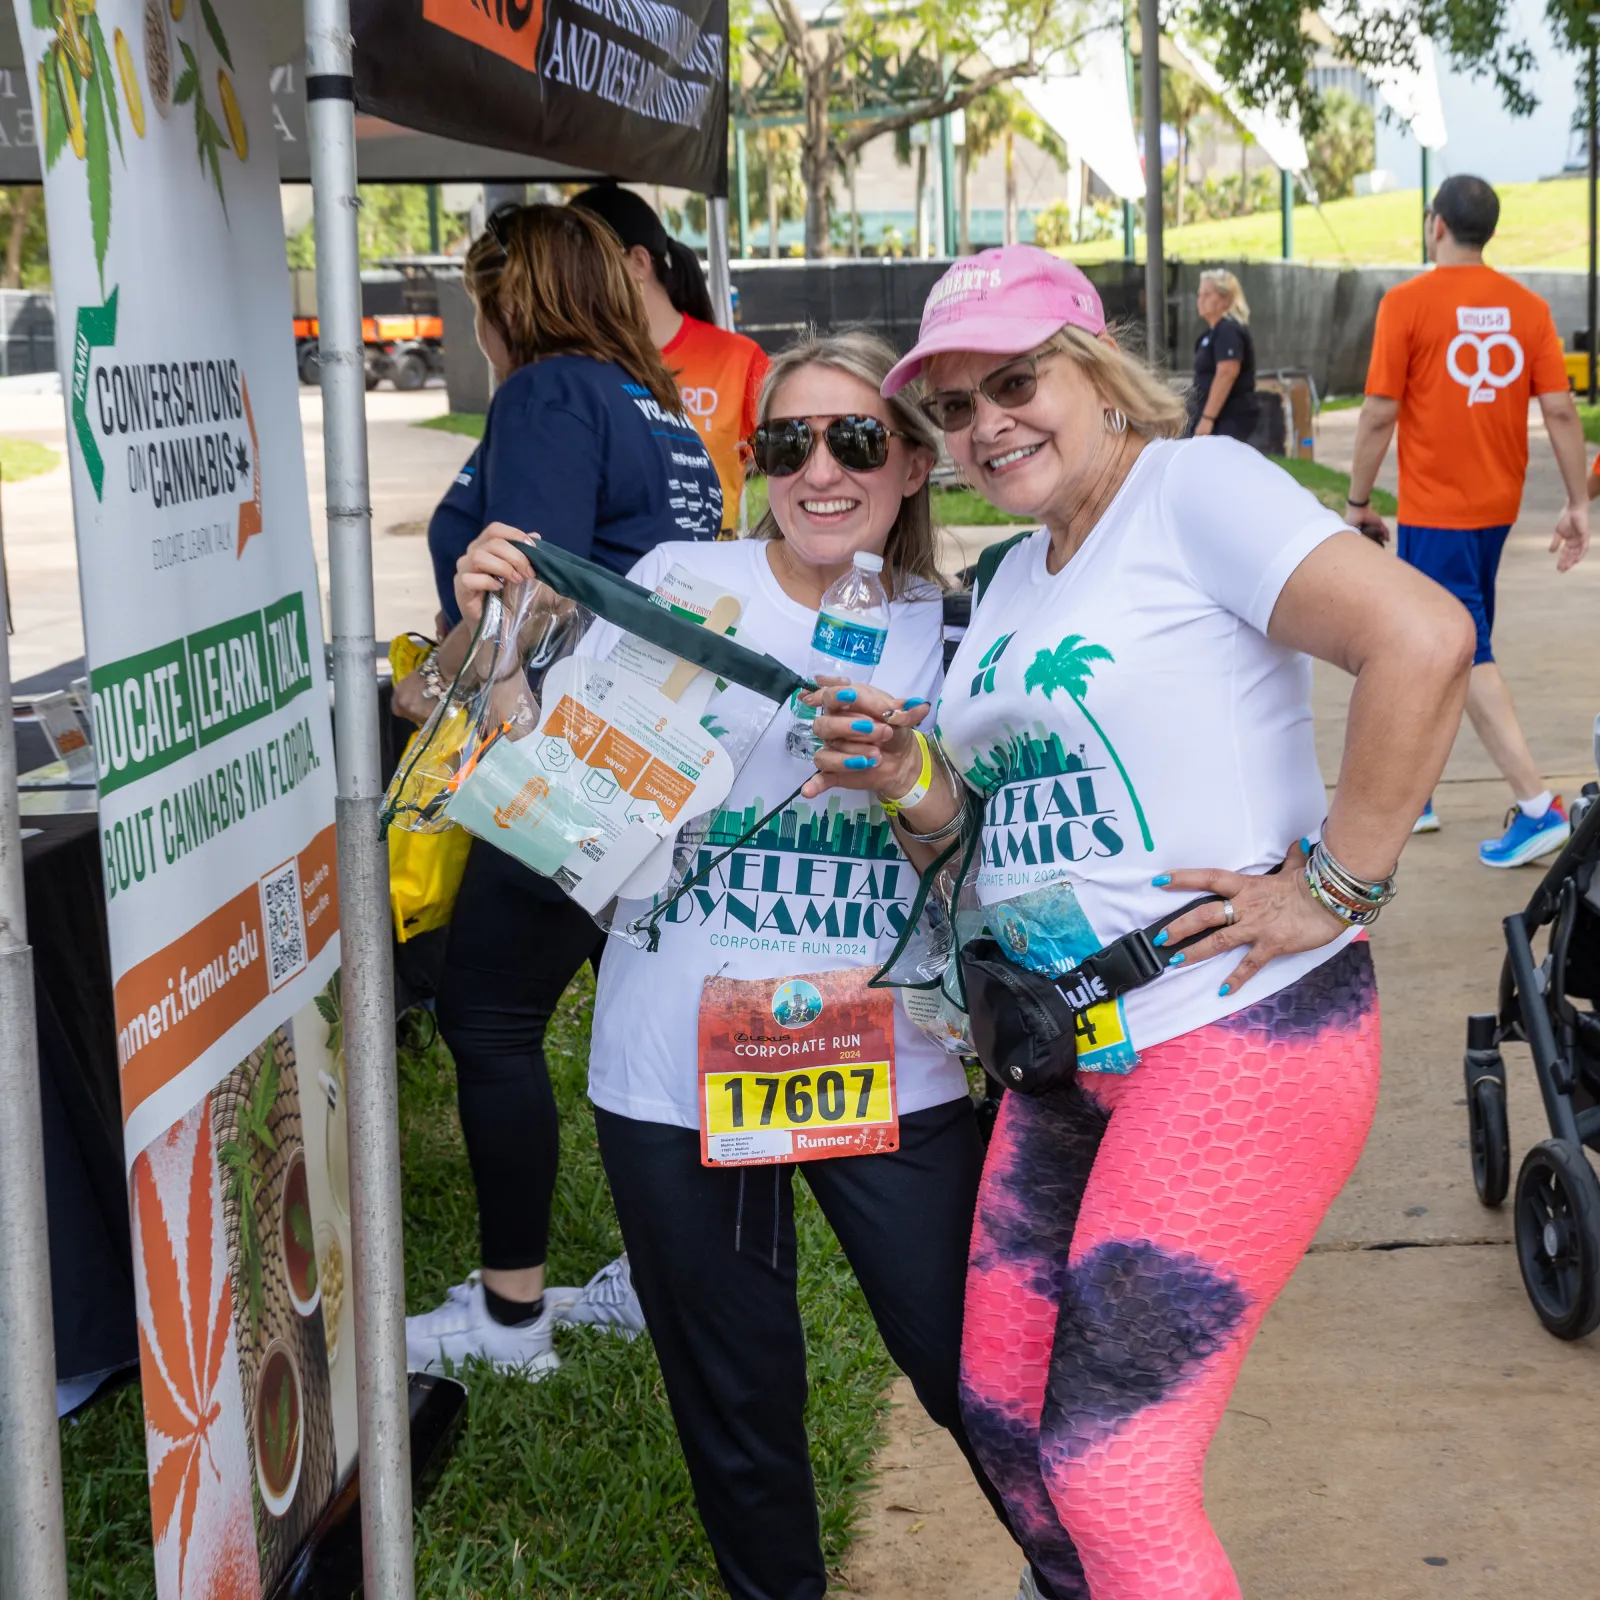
(1025, 1024)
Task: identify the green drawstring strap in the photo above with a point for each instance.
(633, 609)
(651, 924)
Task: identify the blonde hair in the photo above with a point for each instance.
(1230, 289)
(560, 286)
(1124, 382)
(909, 550)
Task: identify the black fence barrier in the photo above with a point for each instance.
(779, 300)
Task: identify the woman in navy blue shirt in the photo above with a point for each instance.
(586, 445)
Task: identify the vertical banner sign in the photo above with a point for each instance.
(215, 764)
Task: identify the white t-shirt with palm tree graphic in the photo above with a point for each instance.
(1128, 716)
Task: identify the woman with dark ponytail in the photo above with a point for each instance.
(719, 373)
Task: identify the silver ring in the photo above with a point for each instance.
(1229, 917)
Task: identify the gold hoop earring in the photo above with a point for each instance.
(1115, 421)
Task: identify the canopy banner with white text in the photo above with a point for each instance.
(215, 763)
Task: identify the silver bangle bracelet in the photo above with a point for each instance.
(1354, 900)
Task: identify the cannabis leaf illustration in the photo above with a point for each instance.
(208, 135)
(239, 1156)
(180, 1352)
(78, 103)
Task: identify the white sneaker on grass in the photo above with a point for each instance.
(607, 1301)
(461, 1329)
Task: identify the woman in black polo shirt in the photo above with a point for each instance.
(1223, 399)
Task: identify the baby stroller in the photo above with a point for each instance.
(1550, 1005)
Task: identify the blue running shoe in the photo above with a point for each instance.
(1526, 838)
(1428, 822)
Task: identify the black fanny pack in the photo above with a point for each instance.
(1025, 1024)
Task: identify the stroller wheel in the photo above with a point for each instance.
(1491, 1140)
(1558, 1237)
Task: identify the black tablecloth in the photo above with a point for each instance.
(91, 1258)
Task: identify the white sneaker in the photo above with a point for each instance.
(608, 1301)
(461, 1330)
(1026, 1588)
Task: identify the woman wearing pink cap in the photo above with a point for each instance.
(1131, 714)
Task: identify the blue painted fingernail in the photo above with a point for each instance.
(1160, 938)
(857, 763)
(1305, 844)
(1177, 960)
(911, 705)
(1223, 989)
(862, 725)
(846, 697)
(1162, 881)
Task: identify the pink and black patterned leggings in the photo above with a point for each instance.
(1131, 1234)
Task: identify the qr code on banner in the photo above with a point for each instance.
(285, 922)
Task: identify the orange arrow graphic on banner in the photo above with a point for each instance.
(250, 510)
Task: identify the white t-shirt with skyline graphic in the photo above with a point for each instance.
(824, 886)
(1128, 716)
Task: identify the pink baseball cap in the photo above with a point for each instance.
(1003, 302)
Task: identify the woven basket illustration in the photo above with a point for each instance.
(282, 1519)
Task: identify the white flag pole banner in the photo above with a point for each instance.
(215, 759)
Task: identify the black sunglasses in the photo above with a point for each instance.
(1010, 386)
(782, 446)
(499, 221)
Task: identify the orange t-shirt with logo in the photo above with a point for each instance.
(719, 375)
(1463, 349)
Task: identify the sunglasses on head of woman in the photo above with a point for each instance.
(1009, 387)
(498, 222)
(781, 446)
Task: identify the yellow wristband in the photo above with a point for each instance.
(918, 792)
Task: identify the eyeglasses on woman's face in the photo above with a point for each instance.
(781, 446)
(1009, 386)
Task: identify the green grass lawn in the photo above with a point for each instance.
(1541, 225)
(1331, 486)
(469, 423)
(23, 458)
(570, 1488)
(1591, 421)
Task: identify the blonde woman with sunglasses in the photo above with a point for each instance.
(748, 1043)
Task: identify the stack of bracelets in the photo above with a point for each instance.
(1354, 900)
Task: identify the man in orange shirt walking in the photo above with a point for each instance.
(1457, 355)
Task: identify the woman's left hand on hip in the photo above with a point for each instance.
(1273, 914)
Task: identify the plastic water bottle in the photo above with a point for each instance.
(847, 642)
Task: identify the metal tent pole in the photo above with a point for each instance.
(1592, 139)
(741, 169)
(1155, 266)
(717, 260)
(33, 1554)
(1286, 214)
(370, 1080)
(1427, 197)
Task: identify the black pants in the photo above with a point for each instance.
(713, 1258)
(516, 942)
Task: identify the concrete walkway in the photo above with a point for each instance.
(1404, 1427)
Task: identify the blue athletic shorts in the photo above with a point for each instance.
(1465, 561)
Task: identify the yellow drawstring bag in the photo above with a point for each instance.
(424, 868)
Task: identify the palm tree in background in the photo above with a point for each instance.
(1069, 667)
